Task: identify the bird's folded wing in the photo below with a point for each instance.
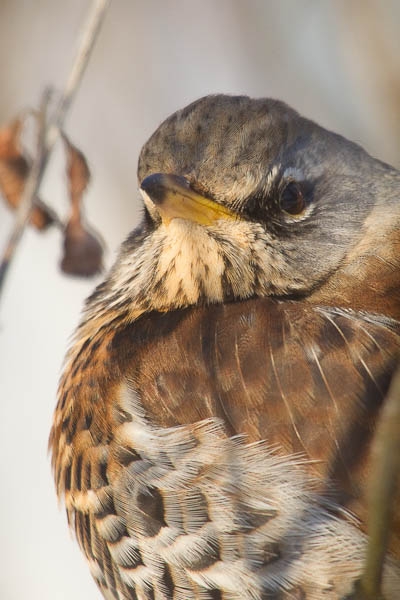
(185, 504)
(311, 379)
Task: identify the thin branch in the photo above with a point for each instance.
(79, 65)
(384, 481)
(49, 131)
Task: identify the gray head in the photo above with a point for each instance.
(247, 198)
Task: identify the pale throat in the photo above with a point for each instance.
(182, 263)
(190, 263)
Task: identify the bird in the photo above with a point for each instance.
(217, 406)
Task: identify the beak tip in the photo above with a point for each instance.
(158, 185)
(152, 185)
(150, 180)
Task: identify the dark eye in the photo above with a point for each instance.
(292, 200)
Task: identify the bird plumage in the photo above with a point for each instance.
(216, 410)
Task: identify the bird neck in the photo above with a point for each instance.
(369, 277)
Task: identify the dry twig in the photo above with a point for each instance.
(49, 131)
(384, 481)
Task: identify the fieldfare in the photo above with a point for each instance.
(216, 410)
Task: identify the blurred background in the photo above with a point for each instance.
(337, 62)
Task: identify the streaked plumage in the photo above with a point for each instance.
(217, 405)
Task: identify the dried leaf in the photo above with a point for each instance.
(78, 174)
(83, 252)
(14, 170)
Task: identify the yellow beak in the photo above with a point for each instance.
(175, 199)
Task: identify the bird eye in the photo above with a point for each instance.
(292, 200)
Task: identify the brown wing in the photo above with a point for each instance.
(191, 512)
(309, 380)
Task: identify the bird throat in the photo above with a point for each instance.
(190, 266)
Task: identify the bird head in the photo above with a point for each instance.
(246, 198)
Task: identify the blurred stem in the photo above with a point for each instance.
(49, 131)
(384, 482)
